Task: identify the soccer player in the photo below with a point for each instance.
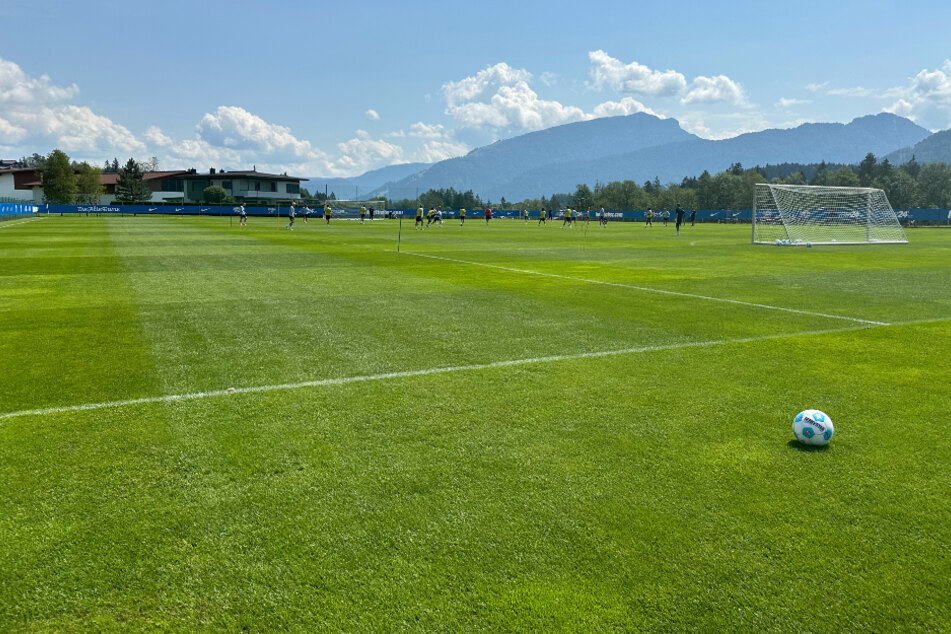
(419, 218)
(541, 216)
(438, 217)
(290, 217)
(602, 219)
(693, 216)
(488, 216)
(679, 217)
(430, 217)
(462, 217)
(371, 214)
(650, 217)
(567, 220)
(363, 213)
(327, 212)
(665, 216)
(244, 216)
(306, 212)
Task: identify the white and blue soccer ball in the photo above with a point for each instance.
(813, 427)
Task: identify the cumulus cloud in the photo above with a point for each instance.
(35, 111)
(499, 99)
(16, 87)
(434, 151)
(155, 136)
(926, 98)
(626, 106)
(364, 152)
(633, 77)
(373, 115)
(427, 131)
(719, 89)
(236, 128)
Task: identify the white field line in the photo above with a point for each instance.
(168, 398)
(20, 222)
(652, 290)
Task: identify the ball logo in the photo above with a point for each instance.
(799, 417)
(818, 416)
(827, 434)
(808, 432)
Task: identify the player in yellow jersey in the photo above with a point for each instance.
(462, 217)
(541, 216)
(430, 217)
(567, 220)
(525, 213)
(650, 217)
(419, 218)
(327, 213)
(363, 213)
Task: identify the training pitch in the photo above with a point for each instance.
(496, 428)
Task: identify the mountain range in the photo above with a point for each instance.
(641, 147)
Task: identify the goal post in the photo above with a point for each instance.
(801, 214)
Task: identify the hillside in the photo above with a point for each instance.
(934, 149)
(485, 168)
(556, 160)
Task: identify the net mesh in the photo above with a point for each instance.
(803, 214)
(351, 207)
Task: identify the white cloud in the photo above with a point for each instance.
(634, 77)
(364, 152)
(785, 102)
(499, 100)
(816, 87)
(434, 151)
(372, 115)
(713, 90)
(236, 128)
(155, 136)
(35, 112)
(926, 98)
(857, 91)
(548, 78)
(426, 131)
(626, 106)
(16, 87)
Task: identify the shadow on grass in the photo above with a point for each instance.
(795, 444)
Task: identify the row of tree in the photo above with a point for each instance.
(67, 182)
(909, 186)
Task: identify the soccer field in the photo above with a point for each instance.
(508, 427)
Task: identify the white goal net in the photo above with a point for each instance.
(804, 214)
(352, 207)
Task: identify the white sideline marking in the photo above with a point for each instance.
(20, 222)
(652, 290)
(410, 373)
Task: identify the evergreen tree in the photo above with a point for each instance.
(59, 179)
(131, 188)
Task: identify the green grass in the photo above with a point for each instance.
(653, 490)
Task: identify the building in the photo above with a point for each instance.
(244, 186)
(25, 184)
(20, 184)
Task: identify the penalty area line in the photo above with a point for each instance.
(648, 289)
(172, 398)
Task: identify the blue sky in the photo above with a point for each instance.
(335, 89)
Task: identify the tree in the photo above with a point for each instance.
(216, 194)
(867, 170)
(89, 184)
(59, 179)
(131, 187)
(582, 197)
(844, 177)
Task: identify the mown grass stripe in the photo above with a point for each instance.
(653, 290)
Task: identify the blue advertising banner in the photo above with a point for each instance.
(702, 215)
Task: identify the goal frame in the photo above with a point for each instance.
(804, 225)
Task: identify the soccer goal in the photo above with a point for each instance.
(804, 214)
(352, 207)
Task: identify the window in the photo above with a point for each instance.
(257, 186)
(272, 186)
(226, 185)
(293, 188)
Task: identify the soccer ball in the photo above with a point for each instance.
(813, 427)
(809, 244)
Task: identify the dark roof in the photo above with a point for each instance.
(246, 174)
